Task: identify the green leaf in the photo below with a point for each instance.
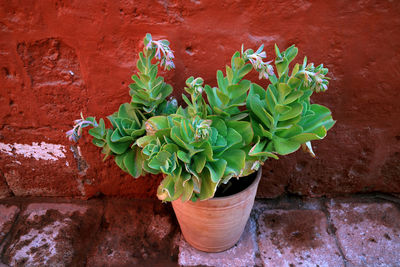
(282, 66)
(118, 137)
(138, 81)
(153, 72)
(229, 74)
(144, 78)
(291, 53)
(199, 161)
(156, 123)
(244, 70)
(140, 66)
(235, 159)
(176, 137)
(216, 169)
(187, 190)
(295, 111)
(294, 83)
(238, 90)
(145, 140)
(239, 62)
(259, 150)
(160, 160)
(183, 156)
(283, 89)
(98, 142)
(322, 117)
(221, 81)
(208, 187)
(295, 69)
(281, 109)
(212, 96)
(257, 108)
(287, 132)
(244, 129)
(119, 160)
(277, 52)
(166, 189)
(218, 124)
(283, 146)
(224, 99)
(233, 138)
(306, 137)
(234, 56)
(293, 96)
(133, 162)
(119, 147)
(270, 98)
(98, 132)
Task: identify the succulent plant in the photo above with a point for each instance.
(282, 116)
(230, 133)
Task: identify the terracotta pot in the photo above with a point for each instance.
(216, 224)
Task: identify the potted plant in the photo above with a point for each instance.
(210, 151)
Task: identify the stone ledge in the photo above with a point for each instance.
(368, 233)
(359, 231)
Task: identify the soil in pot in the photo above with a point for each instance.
(235, 185)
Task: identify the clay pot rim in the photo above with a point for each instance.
(234, 196)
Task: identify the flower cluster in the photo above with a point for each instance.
(256, 59)
(163, 52)
(321, 81)
(75, 133)
(196, 85)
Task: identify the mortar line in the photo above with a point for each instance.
(332, 231)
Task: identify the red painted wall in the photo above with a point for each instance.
(58, 58)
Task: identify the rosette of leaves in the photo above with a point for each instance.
(149, 91)
(127, 126)
(282, 116)
(195, 154)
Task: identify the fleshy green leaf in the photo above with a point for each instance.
(133, 162)
(216, 169)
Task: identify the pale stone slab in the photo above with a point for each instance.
(242, 254)
(296, 238)
(51, 234)
(368, 233)
(134, 233)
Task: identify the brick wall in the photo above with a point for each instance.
(58, 58)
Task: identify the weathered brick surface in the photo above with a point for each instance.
(4, 189)
(134, 233)
(62, 57)
(368, 233)
(242, 254)
(7, 217)
(52, 234)
(112, 232)
(296, 238)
